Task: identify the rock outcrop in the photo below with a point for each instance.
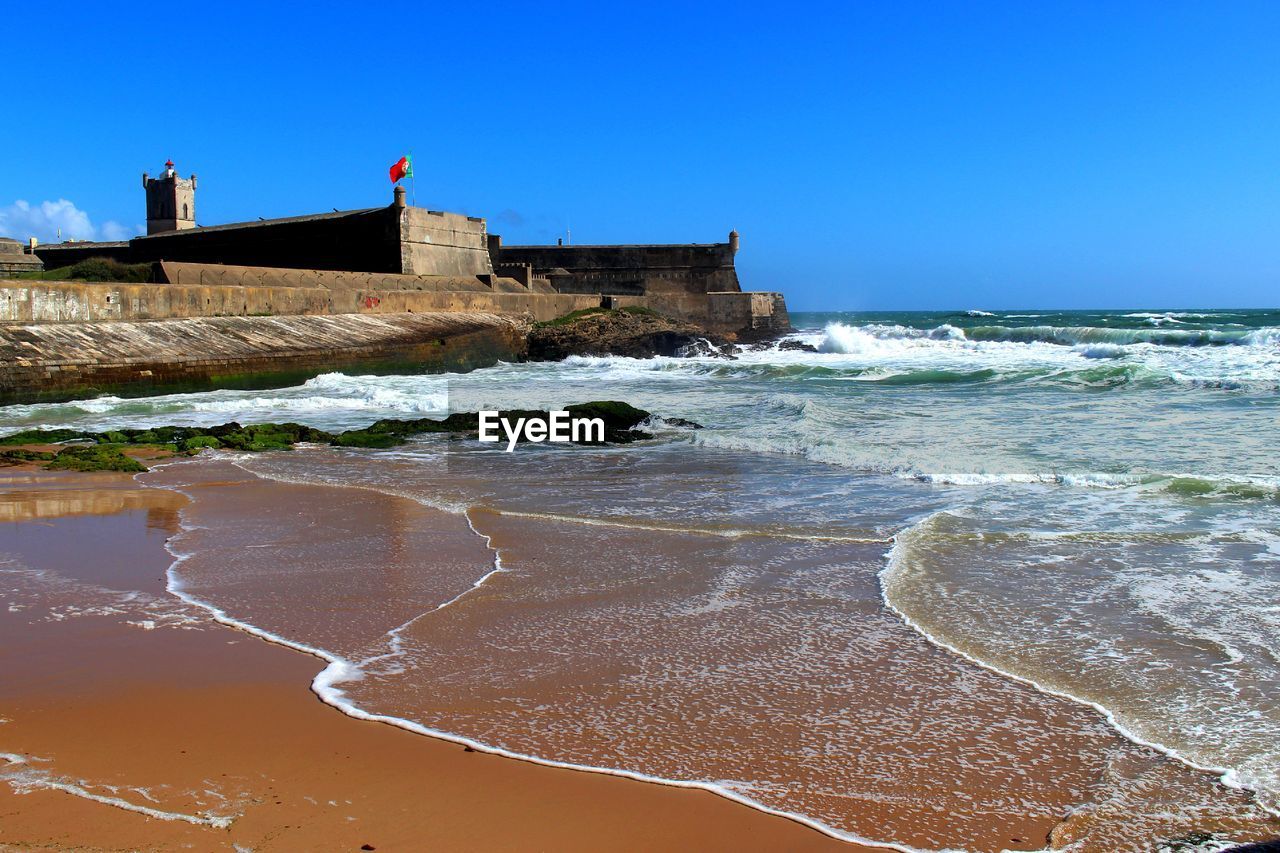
(115, 450)
(634, 332)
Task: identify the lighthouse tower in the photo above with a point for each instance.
(171, 201)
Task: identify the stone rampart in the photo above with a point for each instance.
(58, 255)
(83, 302)
(437, 243)
(629, 270)
(748, 316)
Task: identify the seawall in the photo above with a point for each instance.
(51, 362)
(224, 326)
(211, 291)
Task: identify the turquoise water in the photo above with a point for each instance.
(1088, 502)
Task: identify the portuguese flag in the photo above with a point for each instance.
(402, 169)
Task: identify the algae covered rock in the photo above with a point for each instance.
(94, 457)
(17, 456)
(45, 436)
(634, 332)
(622, 423)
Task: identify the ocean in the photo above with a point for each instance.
(919, 574)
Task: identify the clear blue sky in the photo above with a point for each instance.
(872, 155)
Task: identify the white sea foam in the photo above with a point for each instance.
(1101, 350)
(330, 394)
(1162, 594)
(24, 778)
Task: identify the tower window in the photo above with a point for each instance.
(185, 214)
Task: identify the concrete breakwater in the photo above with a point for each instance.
(50, 362)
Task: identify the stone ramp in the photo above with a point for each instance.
(64, 361)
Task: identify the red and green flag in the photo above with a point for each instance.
(403, 168)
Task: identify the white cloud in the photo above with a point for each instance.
(21, 220)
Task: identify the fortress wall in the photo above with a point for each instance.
(537, 306)
(676, 278)
(65, 361)
(83, 302)
(56, 255)
(361, 240)
(436, 243)
(367, 240)
(748, 316)
(239, 276)
(706, 256)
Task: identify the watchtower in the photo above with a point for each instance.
(171, 201)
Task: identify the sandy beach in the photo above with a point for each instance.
(202, 722)
(134, 720)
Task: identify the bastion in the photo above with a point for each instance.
(261, 303)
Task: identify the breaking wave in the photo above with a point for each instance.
(336, 397)
(855, 339)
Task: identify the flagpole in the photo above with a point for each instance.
(413, 181)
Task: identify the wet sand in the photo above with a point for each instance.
(769, 663)
(121, 691)
(177, 714)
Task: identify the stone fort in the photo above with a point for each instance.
(401, 247)
(394, 289)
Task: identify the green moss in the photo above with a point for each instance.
(199, 442)
(571, 317)
(365, 438)
(56, 274)
(18, 456)
(257, 438)
(108, 269)
(574, 316)
(264, 441)
(98, 457)
(94, 269)
(45, 436)
(619, 418)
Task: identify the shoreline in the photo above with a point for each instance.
(338, 670)
(1226, 777)
(325, 684)
(559, 813)
(323, 687)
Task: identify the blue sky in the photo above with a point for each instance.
(872, 155)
